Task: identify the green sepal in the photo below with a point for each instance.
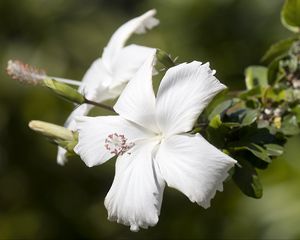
(164, 58)
(64, 91)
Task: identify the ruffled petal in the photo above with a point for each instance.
(193, 166)
(183, 93)
(136, 193)
(93, 132)
(137, 25)
(129, 60)
(137, 101)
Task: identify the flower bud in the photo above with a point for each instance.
(57, 134)
(51, 130)
(164, 58)
(64, 90)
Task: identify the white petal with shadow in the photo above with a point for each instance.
(193, 166)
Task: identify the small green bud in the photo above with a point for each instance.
(164, 58)
(64, 90)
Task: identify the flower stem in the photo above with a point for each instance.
(68, 81)
(99, 105)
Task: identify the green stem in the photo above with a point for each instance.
(104, 106)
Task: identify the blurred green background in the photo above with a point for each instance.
(40, 199)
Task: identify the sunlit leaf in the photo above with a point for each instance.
(215, 122)
(296, 111)
(250, 117)
(278, 49)
(274, 149)
(290, 16)
(290, 125)
(256, 76)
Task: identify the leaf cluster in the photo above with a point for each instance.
(254, 125)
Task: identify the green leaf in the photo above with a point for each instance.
(278, 49)
(278, 95)
(274, 149)
(290, 15)
(246, 178)
(258, 151)
(231, 124)
(256, 76)
(219, 109)
(273, 71)
(216, 122)
(216, 132)
(256, 91)
(290, 125)
(250, 117)
(296, 111)
(218, 99)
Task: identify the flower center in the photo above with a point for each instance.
(117, 144)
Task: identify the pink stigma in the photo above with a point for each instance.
(117, 144)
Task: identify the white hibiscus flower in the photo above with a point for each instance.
(108, 75)
(152, 144)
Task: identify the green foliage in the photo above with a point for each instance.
(290, 16)
(250, 117)
(274, 149)
(246, 178)
(278, 50)
(256, 76)
(267, 113)
(290, 125)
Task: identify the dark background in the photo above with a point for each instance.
(40, 199)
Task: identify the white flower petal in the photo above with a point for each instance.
(136, 193)
(94, 130)
(61, 157)
(119, 38)
(183, 93)
(129, 60)
(95, 83)
(137, 101)
(81, 110)
(193, 166)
